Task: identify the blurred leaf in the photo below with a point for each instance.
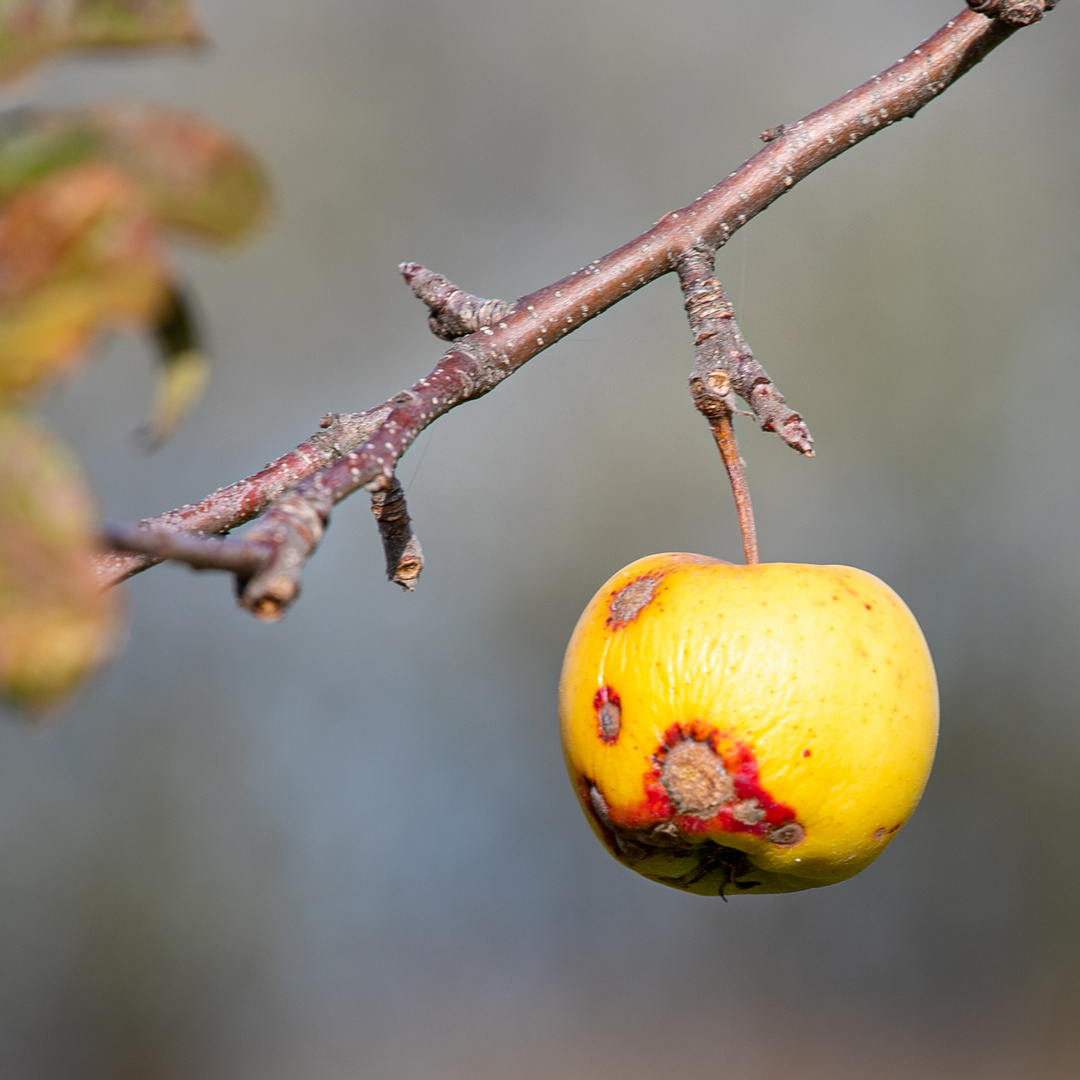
(184, 371)
(197, 178)
(84, 195)
(30, 30)
(35, 143)
(108, 23)
(78, 253)
(56, 625)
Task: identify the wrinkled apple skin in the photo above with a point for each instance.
(760, 728)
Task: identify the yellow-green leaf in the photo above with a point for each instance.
(79, 253)
(56, 624)
(35, 143)
(31, 30)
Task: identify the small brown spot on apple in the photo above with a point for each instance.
(748, 811)
(879, 833)
(608, 714)
(599, 805)
(629, 601)
(788, 835)
(695, 778)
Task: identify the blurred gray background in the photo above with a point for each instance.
(345, 846)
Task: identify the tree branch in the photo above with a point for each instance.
(240, 502)
(721, 350)
(724, 366)
(491, 340)
(404, 558)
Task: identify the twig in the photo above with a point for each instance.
(229, 507)
(724, 367)
(1013, 12)
(286, 541)
(404, 558)
(199, 552)
(481, 359)
(453, 312)
(720, 348)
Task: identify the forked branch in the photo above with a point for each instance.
(491, 339)
(723, 367)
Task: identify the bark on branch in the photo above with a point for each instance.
(1013, 12)
(724, 367)
(491, 339)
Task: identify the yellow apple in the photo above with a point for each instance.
(756, 729)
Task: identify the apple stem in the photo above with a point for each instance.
(724, 434)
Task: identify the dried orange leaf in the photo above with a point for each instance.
(79, 253)
(56, 624)
(30, 30)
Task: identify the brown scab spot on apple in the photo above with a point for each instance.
(694, 776)
(713, 789)
(629, 844)
(597, 808)
(748, 811)
(627, 603)
(788, 835)
(599, 804)
(608, 714)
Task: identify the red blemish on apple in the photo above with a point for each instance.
(654, 808)
(806, 753)
(658, 804)
(741, 764)
(751, 810)
(608, 710)
(697, 730)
